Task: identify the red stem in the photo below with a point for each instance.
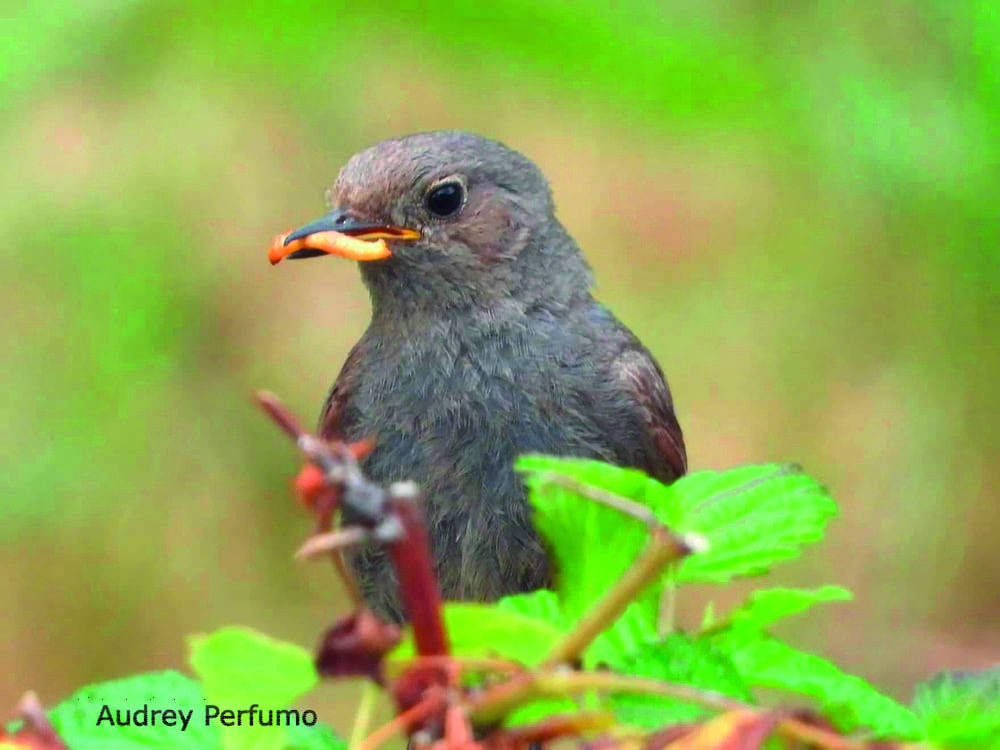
(277, 411)
(411, 557)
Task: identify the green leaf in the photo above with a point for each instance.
(632, 630)
(236, 663)
(764, 607)
(542, 608)
(847, 700)
(679, 659)
(752, 517)
(523, 628)
(961, 710)
(542, 605)
(239, 667)
(489, 630)
(318, 737)
(591, 544)
(539, 709)
(75, 719)
(630, 633)
(708, 617)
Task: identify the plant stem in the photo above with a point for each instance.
(411, 559)
(363, 718)
(554, 727)
(277, 411)
(404, 722)
(668, 608)
(332, 541)
(462, 664)
(604, 497)
(491, 705)
(663, 548)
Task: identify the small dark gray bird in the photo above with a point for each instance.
(485, 343)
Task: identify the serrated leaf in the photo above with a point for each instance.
(961, 710)
(680, 659)
(591, 544)
(848, 701)
(75, 719)
(239, 667)
(764, 607)
(489, 630)
(752, 517)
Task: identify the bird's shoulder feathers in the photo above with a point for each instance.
(335, 419)
(639, 375)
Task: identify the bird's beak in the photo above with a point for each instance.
(338, 233)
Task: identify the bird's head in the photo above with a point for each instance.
(463, 220)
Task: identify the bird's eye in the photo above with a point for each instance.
(446, 199)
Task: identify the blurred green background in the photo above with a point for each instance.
(795, 205)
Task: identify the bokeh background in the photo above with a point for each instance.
(795, 205)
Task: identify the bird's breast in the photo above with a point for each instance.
(454, 415)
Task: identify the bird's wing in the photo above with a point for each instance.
(335, 419)
(643, 378)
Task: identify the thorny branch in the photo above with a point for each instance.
(435, 707)
(36, 732)
(663, 549)
(387, 515)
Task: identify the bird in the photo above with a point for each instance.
(485, 343)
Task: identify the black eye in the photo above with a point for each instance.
(445, 200)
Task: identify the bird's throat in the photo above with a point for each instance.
(545, 275)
